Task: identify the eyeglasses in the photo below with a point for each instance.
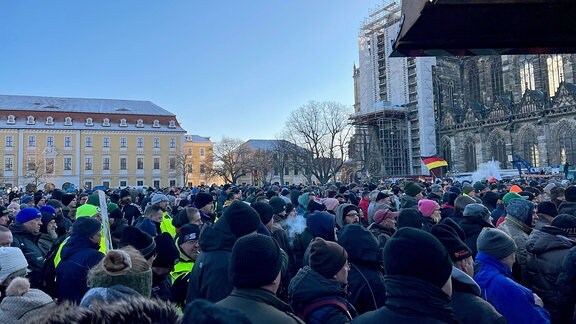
(352, 215)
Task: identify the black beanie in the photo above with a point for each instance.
(241, 218)
(547, 208)
(188, 232)
(180, 219)
(57, 194)
(567, 223)
(321, 224)
(495, 243)
(415, 253)
(124, 193)
(412, 188)
(255, 262)
(139, 240)
(202, 199)
(449, 198)
(314, 205)
(86, 227)
(278, 204)
(265, 211)
(410, 217)
(326, 258)
(452, 241)
(570, 194)
(67, 198)
(167, 252)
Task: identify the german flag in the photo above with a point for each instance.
(433, 162)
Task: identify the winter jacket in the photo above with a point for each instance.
(512, 300)
(468, 306)
(366, 276)
(546, 252)
(541, 221)
(78, 254)
(131, 212)
(45, 243)
(408, 202)
(162, 287)
(310, 288)
(519, 232)
(28, 243)
(209, 278)
(166, 225)
(381, 233)
(180, 278)
(447, 211)
(260, 306)
(567, 207)
(566, 285)
(472, 226)
(411, 300)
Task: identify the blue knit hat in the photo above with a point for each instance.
(27, 214)
(321, 224)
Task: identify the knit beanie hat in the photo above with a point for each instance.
(124, 193)
(427, 207)
(321, 224)
(117, 268)
(57, 194)
(567, 223)
(467, 188)
(86, 227)
(94, 199)
(457, 249)
(515, 188)
(256, 261)
(26, 199)
(326, 258)
(315, 205)
(436, 188)
(416, 253)
(54, 203)
(547, 208)
(381, 195)
(461, 202)
(21, 303)
(409, 217)
(449, 198)
(48, 214)
(570, 194)
(412, 189)
(67, 199)
(495, 242)
(384, 214)
(37, 198)
(27, 214)
(11, 260)
(202, 199)
(188, 232)
(265, 211)
(87, 210)
(158, 198)
(278, 205)
(167, 252)
(511, 195)
(477, 211)
(455, 190)
(479, 186)
(139, 240)
(180, 219)
(107, 295)
(521, 210)
(241, 218)
(490, 198)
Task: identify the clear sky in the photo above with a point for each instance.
(225, 68)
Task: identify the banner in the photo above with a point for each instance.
(433, 162)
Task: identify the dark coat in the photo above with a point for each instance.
(566, 285)
(79, 254)
(567, 207)
(162, 287)
(209, 278)
(260, 306)
(411, 300)
(472, 226)
(309, 287)
(131, 212)
(546, 252)
(468, 306)
(408, 202)
(447, 211)
(28, 243)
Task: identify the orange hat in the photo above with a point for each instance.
(515, 188)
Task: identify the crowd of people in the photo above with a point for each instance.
(411, 252)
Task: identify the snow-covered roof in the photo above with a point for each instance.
(80, 125)
(197, 139)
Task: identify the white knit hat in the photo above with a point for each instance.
(11, 260)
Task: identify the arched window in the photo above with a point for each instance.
(89, 122)
(122, 122)
(496, 77)
(156, 123)
(11, 119)
(106, 122)
(68, 121)
(566, 146)
(470, 156)
(527, 73)
(446, 151)
(30, 120)
(474, 83)
(49, 120)
(530, 148)
(499, 151)
(555, 72)
(172, 124)
(139, 123)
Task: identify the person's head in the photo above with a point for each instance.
(279, 206)
(160, 200)
(413, 189)
(30, 218)
(141, 241)
(204, 202)
(167, 255)
(383, 197)
(386, 218)
(322, 224)
(22, 304)
(523, 211)
(154, 213)
(413, 253)
(39, 201)
(557, 193)
(69, 200)
(188, 215)
(566, 223)
(570, 194)
(329, 259)
(256, 262)
(241, 218)
(6, 237)
(478, 212)
(48, 221)
(89, 228)
(547, 208)
(430, 208)
(13, 208)
(88, 210)
(125, 197)
(497, 244)
(13, 264)
(266, 213)
(4, 216)
(452, 237)
(27, 200)
(461, 202)
(187, 241)
(409, 217)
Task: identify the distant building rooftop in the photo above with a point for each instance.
(198, 139)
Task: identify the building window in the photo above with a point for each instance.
(106, 184)
(106, 163)
(202, 168)
(123, 142)
(123, 163)
(49, 165)
(172, 142)
(156, 123)
(156, 183)
(172, 183)
(140, 183)
(474, 83)
(190, 168)
(496, 77)
(11, 119)
(286, 171)
(156, 163)
(30, 120)
(31, 163)
(8, 163)
(9, 141)
(555, 72)
(106, 142)
(89, 122)
(156, 142)
(527, 75)
(172, 124)
(88, 185)
(123, 122)
(49, 120)
(31, 141)
(172, 163)
(106, 122)
(276, 171)
(67, 163)
(202, 152)
(140, 123)
(50, 141)
(140, 163)
(470, 156)
(89, 141)
(499, 151)
(88, 163)
(140, 142)
(295, 171)
(68, 121)
(530, 148)
(189, 151)
(123, 183)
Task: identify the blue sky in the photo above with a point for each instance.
(225, 68)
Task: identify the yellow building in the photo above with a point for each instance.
(88, 142)
(198, 159)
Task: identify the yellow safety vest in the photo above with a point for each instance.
(181, 268)
(166, 225)
(58, 258)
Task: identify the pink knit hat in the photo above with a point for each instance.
(427, 207)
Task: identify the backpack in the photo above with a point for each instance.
(305, 311)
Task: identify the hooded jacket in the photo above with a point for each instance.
(468, 306)
(209, 278)
(28, 243)
(519, 232)
(512, 300)
(567, 207)
(79, 255)
(547, 249)
(367, 291)
(303, 201)
(340, 214)
(308, 287)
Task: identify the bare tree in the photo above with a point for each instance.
(231, 160)
(286, 155)
(184, 167)
(38, 166)
(261, 162)
(322, 129)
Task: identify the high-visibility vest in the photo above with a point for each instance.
(166, 225)
(58, 258)
(181, 268)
